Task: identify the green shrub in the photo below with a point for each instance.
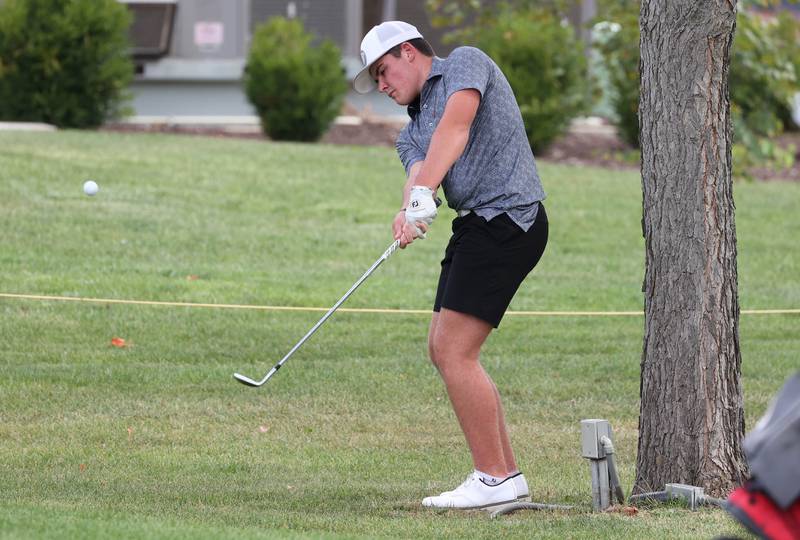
(296, 88)
(618, 43)
(763, 78)
(63, 62)
(544, 62)
(787, 31)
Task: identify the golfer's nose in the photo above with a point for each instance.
(382, 86)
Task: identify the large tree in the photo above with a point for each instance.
(691, 421)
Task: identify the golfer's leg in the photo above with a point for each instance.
(455, 342)
(505, 440)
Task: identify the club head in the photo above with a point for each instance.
(245, 380)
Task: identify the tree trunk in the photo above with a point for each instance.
(691, 421)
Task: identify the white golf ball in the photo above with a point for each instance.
(90, 187)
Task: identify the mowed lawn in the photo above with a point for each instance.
(156, 439)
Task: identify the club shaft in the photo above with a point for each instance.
(386, 254)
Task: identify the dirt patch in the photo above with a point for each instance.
(363, 133)
(367, 133)
(596, 149)
(596, 146)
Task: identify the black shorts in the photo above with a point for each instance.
(485, 263)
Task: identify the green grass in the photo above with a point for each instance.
(157, 440)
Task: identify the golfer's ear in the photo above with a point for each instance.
(408, 51)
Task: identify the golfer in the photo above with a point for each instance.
(466, 136)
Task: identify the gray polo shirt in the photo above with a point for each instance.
(497, 171)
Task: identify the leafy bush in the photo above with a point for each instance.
(297, 89)
(539, 54)
(618, 43)
(787, 30)
(763, 78)
(63, 62)
(544, 63)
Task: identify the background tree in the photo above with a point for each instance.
(542, 58)
(691, 420)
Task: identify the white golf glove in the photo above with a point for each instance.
(421, 208)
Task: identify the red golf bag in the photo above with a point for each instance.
(769, 504)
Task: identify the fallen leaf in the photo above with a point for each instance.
(192, 277)
(118, 342)
(82, 467)
(625, 510)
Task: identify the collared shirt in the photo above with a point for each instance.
(496, 173)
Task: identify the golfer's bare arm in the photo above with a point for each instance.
(403, 231)
(448, 141)
(447, 144)
(412, 175)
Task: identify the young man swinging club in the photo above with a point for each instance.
(465, 135)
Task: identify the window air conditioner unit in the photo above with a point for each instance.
(151, 29)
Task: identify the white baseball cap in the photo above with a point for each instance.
(375, 44)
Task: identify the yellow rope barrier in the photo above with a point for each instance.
(353, 310)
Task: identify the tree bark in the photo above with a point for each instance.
(691, 422)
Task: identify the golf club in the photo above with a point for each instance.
(250, 382)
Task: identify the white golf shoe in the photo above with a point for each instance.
(474, 494)
(521, 485)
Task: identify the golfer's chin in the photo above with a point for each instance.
(400, 100)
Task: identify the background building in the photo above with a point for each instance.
(190, 54)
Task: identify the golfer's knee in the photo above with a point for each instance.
(436, 349)
(445, 354)
(433, 352)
